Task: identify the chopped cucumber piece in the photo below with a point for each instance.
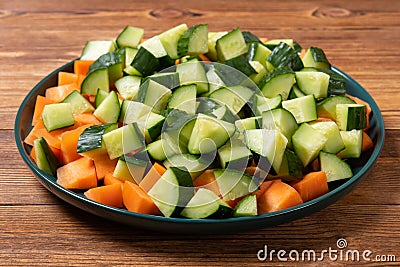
(168, 79)
(327, 107)
(313, 83)
(79, 104)
(184, 98)
(90, 142)
(315, 57)
(334, 144)
(94, 49)
(154, 95)
(212, 41)
(194, 41)
(206, 204)
(303, 108)
(130, 37)
(128, 86)
(231, 45)
(45, 158)
(270, 144)
(234, 184)
(209, 134)
(351, 116)
(246, 207)
(100, 96)
(352, 144)
(307, 143)
(170, 39)
(234, 155)
(334, 168)
(193, 72)
(285, 55)
(109, 109)
(278, 82)
(97, 79)
(123, 140)
(258, 52)
(172, 191)
(56, 116)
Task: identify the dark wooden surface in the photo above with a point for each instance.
(360, 37)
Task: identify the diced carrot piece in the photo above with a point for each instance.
(58, 93)
(152, 176)
(302, 52)
(53, 138)
(251, 170)
(110, 195)
(262, 188)
(366, 142)
(41, 101)
(137, 200)
(278, 196)
(69, 143)
(313, 185)
(322, 119)
(207, 180)
(204, 58)
(81, 67)
(315, 165)
(177, 61)
(110, 179)
(67, 78)
(263, 40)
(79, 174)
(104, 165)
(86, 118)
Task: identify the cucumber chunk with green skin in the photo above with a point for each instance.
(241, 64)
(156, 150)
(234, 155)
(233, 97)
(231, 45)
(261, 104)
(168, 79)
(315, 57)
(296, 92)
(327, 107)
(132, 111)
(109, 109)
(130, 37)
(334, 144)
(144, 63)
(184, 98)
(94, 49)
(250, 38)
(291, 168)
(130, 54)
(313, 83)
(152, 125)
(212, 40)
(128, 86)
(100, 96)
(154, 95)
(206, 204)
(224, 113)
(56, 116)
(114, 61)
(278, 82)
(261, 71)
(334, 168)
(352, 144)
(302, 108)
(337, 83)
(45, 158)
(79, 104)
(234, 184)
(195, 165)
(307, 143)
(271, 44)
(248, 124)
(270, 144)
(132, 167)
(123, 140)
(351, 116)
(97, 79)
(154, 46)
(258, 52)
(90, 142)
(285, 55)
(246, 207)
(282, 120)
(170, 39)
(194, 41)
(209, 134)
(193, 72)
(172, 191)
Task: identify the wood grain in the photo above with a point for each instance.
(361, 38)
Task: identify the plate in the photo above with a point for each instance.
(196, 226)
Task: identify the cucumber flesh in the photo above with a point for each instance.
(334, 168)
(56, 116)
(246, 207)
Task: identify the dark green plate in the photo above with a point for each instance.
(201, 226)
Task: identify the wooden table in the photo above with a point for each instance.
(36, 228)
